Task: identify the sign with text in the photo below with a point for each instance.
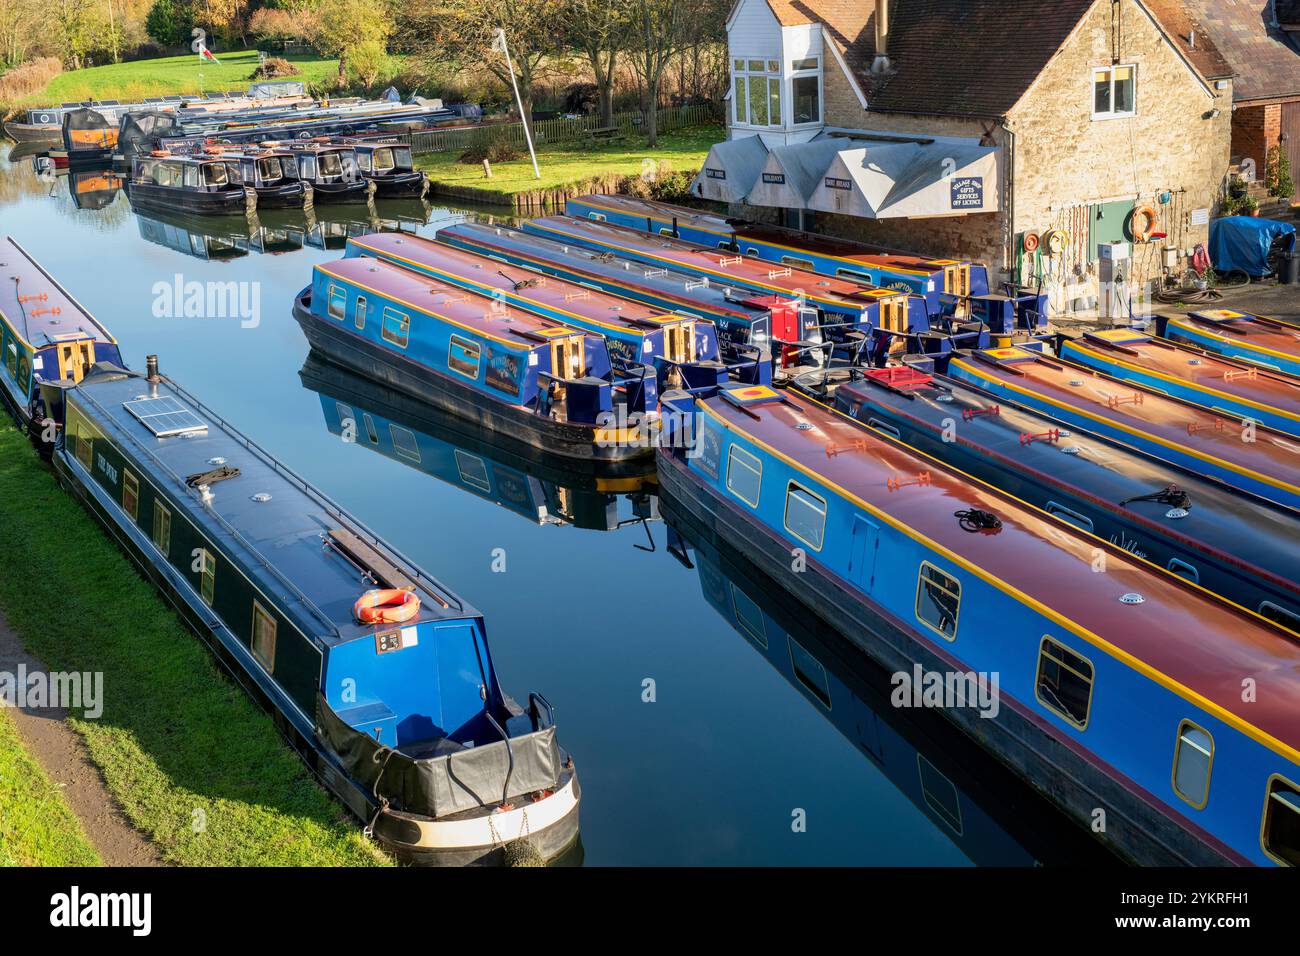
(968, 192)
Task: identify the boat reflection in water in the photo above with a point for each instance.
(94, 188)
(987, 812)
(542, 488)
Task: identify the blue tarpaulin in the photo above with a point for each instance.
(1243, 242)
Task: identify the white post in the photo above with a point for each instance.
(528, 135)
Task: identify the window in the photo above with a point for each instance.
(363, 160)
(940, 794)
(361, 312)
(1064, 684)
(794, 263)
(1114, 92)
(330, 164)
(383, 160)
(397, 327)
(338, 302)
(214, 174)
(162, 528)
(207, 576)
(744, 475)
(263, 640)
(1276, 614)
(1193, 760)
(809, 672)
(1280, 832)
(11, 359)
(371, 432)
(1070, 515)
(404, 442)
(756, 92)
(84, 450)
(806, 94)
(192, 176)
(938, 601)
(307, 166)
(472, 470)
(463, 356)
(805, 516)
(1185, 570)
(271, 169)
(749, 617)
(130, 494)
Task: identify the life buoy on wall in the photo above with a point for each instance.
(1143, 222)
(1031, 242)
(1055, 241)
(386, 606)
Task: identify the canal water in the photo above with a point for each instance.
(711, 724)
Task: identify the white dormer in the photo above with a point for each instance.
(776, 76)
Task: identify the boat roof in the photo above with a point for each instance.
(488, 317)
(600, 308)
(1253, 331)
(1195, 644)
(1204, 370)
(1165, 420)
(54, 316)
(790, 239)
(280, 540)
(716, 263)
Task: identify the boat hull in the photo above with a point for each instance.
(572, 440)
(227, 203)
(403, 185)
(1066, 774)
(339, 193)
(33, 133)
(298, 195)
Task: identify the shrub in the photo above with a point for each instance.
(32, 77)
(495, 148)
(1278, 173)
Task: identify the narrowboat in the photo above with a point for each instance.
(743, 319)
(1271, 343)
(1180, 520)
(539, 487)
(682, 349)
(390, 166)
(271, 173)
(88, 138)
(331, 171)
(1224, 385)
(550, 385)
(398, 710)
(958, 288)
(1257, 460)
(986, 811)
(45, 335)
(880, 318)
(199, 185)
(1120, 689)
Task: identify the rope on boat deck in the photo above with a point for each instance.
(1170, 495)
(374, 789)
(978, 522)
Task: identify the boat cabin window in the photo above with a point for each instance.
(402, 157)
(338, 302)
(84, 450)
(11, 359)
(360, 317)
(207, 575)
(397, 327)
(270, 168)
(1280, 615)
(162, 528)
(263, 638)
(130, 494)
(805, 515)
(363, 160)
(214, 174)
(1064, 683)
(749, 617)
(1281, 829)
(383, 160)
(473, 470)
(463, 356)
(598, 216)
(1069, 515)
(794, 263)
(191, 179)
(168, 174)
(567, 357)
(307, 166)
(330, 164)
(940, 794)
(404, 442)
(1193, 761)
(744, 475)
(938, 601)
(1185, 570)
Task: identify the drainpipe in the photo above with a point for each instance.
(881, 63)
(1010, 152)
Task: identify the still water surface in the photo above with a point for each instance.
(760, 716)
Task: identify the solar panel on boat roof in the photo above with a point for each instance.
(173, 98)
(165, 416)
(110, 102)
(69, 105)
(153, 99)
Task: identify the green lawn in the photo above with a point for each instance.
(36, 826)
(566, 164)
(176, 74)
(196, 766)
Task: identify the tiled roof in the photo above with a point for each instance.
(1180, 23)
(1265, 59)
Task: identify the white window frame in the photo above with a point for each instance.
(769, 75)
(737, 453)
(1112, 113)
(790, 489)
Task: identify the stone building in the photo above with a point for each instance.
(964, 127)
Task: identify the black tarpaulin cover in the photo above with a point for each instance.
(85, 129)
(141, 132)
(436, 786)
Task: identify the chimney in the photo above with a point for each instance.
(1191, 40)
(881, 63)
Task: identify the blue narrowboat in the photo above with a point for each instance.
(1251, 458)
(1224, 385)
(400, 713)
(45, 335)
(1176, 519)
(682, 349)
(1115, 680)
(537, 486)
(1271, 343)
(503, 368)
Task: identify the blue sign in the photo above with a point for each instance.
(968, 192)
(834, 183)
(775, 178)
(715, 173)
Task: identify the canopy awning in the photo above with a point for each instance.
(859, 174)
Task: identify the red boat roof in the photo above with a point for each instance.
(1241, 328)
(600, 308)
(1181, 636)
(36, 307)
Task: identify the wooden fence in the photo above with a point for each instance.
(459, 139)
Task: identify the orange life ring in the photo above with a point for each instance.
(159, 152)
(386, 606)
(1150, 219)
(1031, 242)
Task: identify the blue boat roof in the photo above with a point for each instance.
(280, 541)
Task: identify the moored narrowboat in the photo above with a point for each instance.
(1176, 519)
(682, 349)
(331, 171)
(89, 137)
(1271, 343)
(271, 173)
(550, 385)
(45, 335)
(389, 165)
(1106, 681)
(1253, 458)
(380, 676)
(1224, 385)
(199, 185)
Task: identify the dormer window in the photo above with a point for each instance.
(756, 92)
(805, 90)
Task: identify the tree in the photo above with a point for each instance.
(168, 22)
(601, 30)
(660, 30)
(354, 30)
(74, 30)
(20, 31)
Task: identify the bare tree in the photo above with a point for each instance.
(659, 29)
(601, 30)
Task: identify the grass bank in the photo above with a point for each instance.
(36, 826)
(570, 169)
(194, 763)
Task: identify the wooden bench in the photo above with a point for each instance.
(604, 132)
